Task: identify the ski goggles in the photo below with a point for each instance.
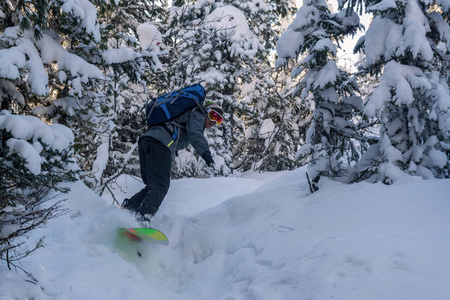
(215, 116)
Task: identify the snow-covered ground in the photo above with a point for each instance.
(258, 236)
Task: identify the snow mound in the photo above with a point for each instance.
(251, 237)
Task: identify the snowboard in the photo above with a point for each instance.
(145, 234)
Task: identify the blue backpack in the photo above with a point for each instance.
(171, 105)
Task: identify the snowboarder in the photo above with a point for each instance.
(156, 149)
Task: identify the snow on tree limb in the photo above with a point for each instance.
(30, 137)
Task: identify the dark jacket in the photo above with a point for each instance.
(190, 131)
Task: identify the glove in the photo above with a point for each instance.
(208, 159)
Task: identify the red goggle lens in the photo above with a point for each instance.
(215, 116)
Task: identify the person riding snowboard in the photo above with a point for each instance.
(156, 149)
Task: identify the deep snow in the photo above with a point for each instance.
(257, 236)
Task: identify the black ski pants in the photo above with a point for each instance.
(155, 161)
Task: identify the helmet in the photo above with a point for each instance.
(214, 106)
(214, 112)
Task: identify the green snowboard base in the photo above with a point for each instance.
(147, 234)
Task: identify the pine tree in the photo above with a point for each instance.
(272, 131)
(270, 137)
(265, 19)
(34, 159)
(130, 61)
(59, 82)
(408, 43)
(331, 137)
(36, 69)
(239, 61)
(94, 59)
(39, 74)
(212, 48)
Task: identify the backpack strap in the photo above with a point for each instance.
(173, 127)
(182, 126)
(176, 127)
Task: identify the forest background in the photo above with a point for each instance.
(74, 75)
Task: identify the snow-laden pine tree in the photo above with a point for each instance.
(55, 43)
(271, 135)
(213, 44)
(408, 43)
(97, 60)
(34, 159)
(265, 19)
(315, 34)
(129, 58)
(37, 70)
(272, 128)
(35, 63)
